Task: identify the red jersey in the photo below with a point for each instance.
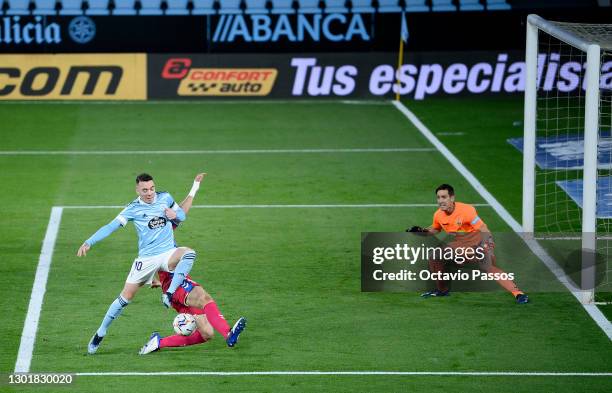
(180, 296)
(166, 279)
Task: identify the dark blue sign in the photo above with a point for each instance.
(573, 188)
(567, 151)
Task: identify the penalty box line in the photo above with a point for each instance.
(28, 336)
(30, 325)
(304, 206)
(212, 152)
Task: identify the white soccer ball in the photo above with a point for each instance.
(184, 324)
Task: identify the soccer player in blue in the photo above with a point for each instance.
(152, 213)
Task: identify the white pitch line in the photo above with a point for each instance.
(342, 206)
(361, 102)
(235, 151)
(30, 325)
(406, 373)
(594, 312)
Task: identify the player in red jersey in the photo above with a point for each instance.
(191, 298)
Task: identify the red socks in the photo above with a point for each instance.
(182, 341)
(216, 319)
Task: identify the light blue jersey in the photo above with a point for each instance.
(155, 234)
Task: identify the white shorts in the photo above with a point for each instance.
(144, 268)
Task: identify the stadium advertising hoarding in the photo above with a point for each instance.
(356, 75)
(281, 76)
(216, 33)
(70, 77)
(276, 33)
(103, 34)
(218, 81)
(335, 32)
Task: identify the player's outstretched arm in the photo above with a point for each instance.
(100, 234)
(188, 201)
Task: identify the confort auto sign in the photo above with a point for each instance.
(219, 81)
(312, 78)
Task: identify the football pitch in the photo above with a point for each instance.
(277, 224)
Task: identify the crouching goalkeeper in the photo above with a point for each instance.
(469, 231)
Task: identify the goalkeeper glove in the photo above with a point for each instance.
(417, 229)
(488, 244)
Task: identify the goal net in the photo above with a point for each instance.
(567, 190)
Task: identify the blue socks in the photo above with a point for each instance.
(113, 312)
(182, 270)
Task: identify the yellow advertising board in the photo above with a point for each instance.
(73, 77)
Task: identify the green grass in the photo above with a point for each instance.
(295, 273)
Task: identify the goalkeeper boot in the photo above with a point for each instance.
(521, 298)
(238, 327)
(152, 345)
(94, 343)
(436, 293)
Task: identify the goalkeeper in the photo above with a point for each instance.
(462, 221)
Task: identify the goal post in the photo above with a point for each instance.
(565, 120)
(529, 124)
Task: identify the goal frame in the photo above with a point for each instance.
(591, 124)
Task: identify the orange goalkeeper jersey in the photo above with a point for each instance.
(464, 219)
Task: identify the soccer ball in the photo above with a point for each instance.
(184, 324)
